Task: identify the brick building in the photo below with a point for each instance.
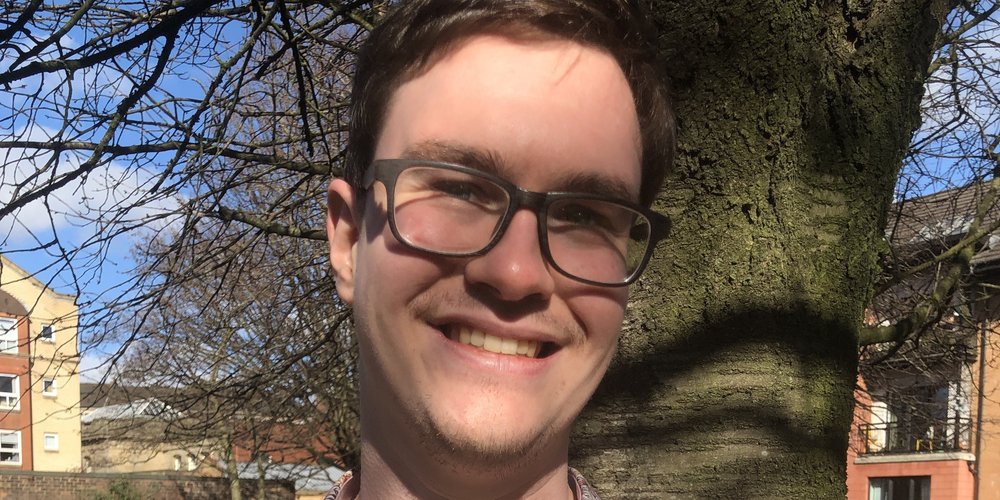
(39, 376)
(927, 423)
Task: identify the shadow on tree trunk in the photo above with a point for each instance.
(733, 407)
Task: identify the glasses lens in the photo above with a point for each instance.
(597, 240)
(447, 211)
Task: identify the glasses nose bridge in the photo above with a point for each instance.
(531, 200)
(522, 198)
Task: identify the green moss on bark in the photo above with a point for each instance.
(737, 368)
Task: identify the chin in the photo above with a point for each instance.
(492, 441)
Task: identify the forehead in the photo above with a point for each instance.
(545, 108)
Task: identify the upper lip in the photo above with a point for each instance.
(516, 331)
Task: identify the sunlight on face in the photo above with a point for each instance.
(547, 113)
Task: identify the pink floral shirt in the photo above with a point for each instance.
(347, 487)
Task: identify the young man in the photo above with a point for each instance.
(502, 155)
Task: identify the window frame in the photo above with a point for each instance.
(48, 334)
(50, 393)
(18, 451)
(887, 484)
(14, 396)
(45, 441)
(5, 336)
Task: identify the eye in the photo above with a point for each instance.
(467, 189)
(608, 218)
(581, 215)
(454, 188)
(459, 190)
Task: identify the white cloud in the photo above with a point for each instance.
(111, 194)
(94, 366)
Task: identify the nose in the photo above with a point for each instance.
(514, 270)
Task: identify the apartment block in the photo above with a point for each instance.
(927, 422)
(39, 376)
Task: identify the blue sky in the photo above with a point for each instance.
(59, 238)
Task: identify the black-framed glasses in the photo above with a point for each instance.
(457, 211)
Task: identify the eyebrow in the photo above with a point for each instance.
(485, 160)
(592, 183)
(491, 162)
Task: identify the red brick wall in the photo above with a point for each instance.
(950, 479)
(20, 419)
(16, 485)
(286, 444)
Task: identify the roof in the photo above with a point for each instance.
(20, 273)
(942, 219)
(94, 395)
(307, 477)
(141, 408)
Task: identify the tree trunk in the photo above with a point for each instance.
(232, 468)
(261, 478)
(737, 366)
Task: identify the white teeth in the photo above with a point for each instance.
(523, 348)
(492, 344)
(476, 338)
(466, 335)
(509, 346)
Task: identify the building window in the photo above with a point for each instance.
(10, 392)
(51, 441)
(48, 387)
(47, 334)
(192, 462)
(177, 462)
(899, 488)
(8, 335)
(10, 447)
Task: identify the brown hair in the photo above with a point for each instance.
(407, 40)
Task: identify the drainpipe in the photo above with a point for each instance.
(979, 406)
(30, 427)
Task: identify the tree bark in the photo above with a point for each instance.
(232, 468)
(736, 369)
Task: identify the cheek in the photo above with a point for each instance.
(601, 315)
(389, 275)
(387, 281)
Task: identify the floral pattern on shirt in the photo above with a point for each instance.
(347, 487)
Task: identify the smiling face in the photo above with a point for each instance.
(488, 358)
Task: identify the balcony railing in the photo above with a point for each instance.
(917, 437)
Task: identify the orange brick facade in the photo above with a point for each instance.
(19, 419)
(989, 459)
(950, 479)
(952, 474)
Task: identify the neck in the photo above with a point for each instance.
(395, 465)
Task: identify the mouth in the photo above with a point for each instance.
(498, 345)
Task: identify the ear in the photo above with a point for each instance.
(342, 232)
